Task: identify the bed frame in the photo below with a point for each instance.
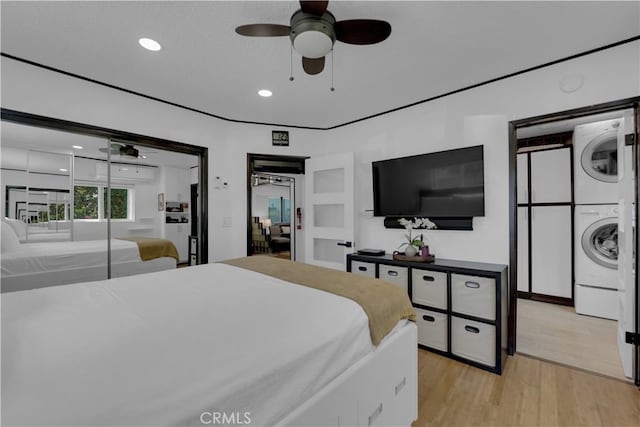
(379, 390)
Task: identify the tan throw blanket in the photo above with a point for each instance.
(151, 247)
(385, 304)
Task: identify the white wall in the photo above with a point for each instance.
(442, 124)
(468, 118)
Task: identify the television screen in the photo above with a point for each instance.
(443, 184)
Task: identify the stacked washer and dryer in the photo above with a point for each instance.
(596, 219)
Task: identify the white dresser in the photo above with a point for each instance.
(461, 306)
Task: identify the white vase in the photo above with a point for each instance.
(411, 251)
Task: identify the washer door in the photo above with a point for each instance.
(600, 242)
(600, 157)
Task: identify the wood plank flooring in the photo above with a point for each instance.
(530, 392)
(556, 333)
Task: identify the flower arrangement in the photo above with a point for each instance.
(414, 244)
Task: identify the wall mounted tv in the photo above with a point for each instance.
(445, 184)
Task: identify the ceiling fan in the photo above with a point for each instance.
(313, 30)
(125, 150)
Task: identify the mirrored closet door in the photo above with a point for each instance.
(80, 207)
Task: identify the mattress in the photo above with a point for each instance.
(31, 258)
(164, 348)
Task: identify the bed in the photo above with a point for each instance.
(34, 265)
(211, 344)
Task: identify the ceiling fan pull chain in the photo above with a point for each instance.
(291, 62)
(332, 88)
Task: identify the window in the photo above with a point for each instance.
(90, 202)
(279, 210)
(85, 202)
(119, 203)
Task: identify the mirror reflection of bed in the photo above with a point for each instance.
(64, 194)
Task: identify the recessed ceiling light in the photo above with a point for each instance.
(77, 147)
(150, 44)
(64, 170)
(265, 92)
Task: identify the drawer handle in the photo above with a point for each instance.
(472, 285)
(375, 414)
(401, 385)
(428, 278)
(472, 329)
(392, 273)
(428, 318)
(362, 268)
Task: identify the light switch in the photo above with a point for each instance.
(226, 222)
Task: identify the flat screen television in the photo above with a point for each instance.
(445, 184)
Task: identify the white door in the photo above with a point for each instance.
(551, 176)
(551, 250)
(329, 205)
(523, 249)
(626, 276)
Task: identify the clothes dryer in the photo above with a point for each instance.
(595, 167)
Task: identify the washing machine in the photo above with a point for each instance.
(595, 166)
(596, 260)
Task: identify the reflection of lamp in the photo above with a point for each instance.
(266, 224)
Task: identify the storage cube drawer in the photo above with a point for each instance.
(432, 328)
(473, 296)
(363, 268)
(429, 288)
(473, 340)
(396, 275)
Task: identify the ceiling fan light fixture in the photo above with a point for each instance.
(313, 44)
(312, 36)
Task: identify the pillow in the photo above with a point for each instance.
(286, 229)
(20, 227)
(9, 239)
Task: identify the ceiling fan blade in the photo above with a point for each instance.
(362, 31)
(313, 66)
(314, 7)
(263, 30)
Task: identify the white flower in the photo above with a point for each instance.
(417, 223)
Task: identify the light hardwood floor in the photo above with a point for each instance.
(556, 333)
(530, 392)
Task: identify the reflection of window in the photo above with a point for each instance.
(85, 202)
(56, 212)
(119, 203)
(279, 210)
(90, 202)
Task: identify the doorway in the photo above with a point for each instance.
(585, 319)
(275, 199)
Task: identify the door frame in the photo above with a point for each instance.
(202, 153)
(270, 163)
(628, 103)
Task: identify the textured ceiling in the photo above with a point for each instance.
(434, 48)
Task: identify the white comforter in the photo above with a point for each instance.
(162, 348)
(31, 258)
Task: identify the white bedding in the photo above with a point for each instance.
(51, 256)
(162, 348)
(38, 265)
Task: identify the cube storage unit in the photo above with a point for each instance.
(461, 306)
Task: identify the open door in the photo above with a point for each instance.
(626, 251)
(329, 194)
